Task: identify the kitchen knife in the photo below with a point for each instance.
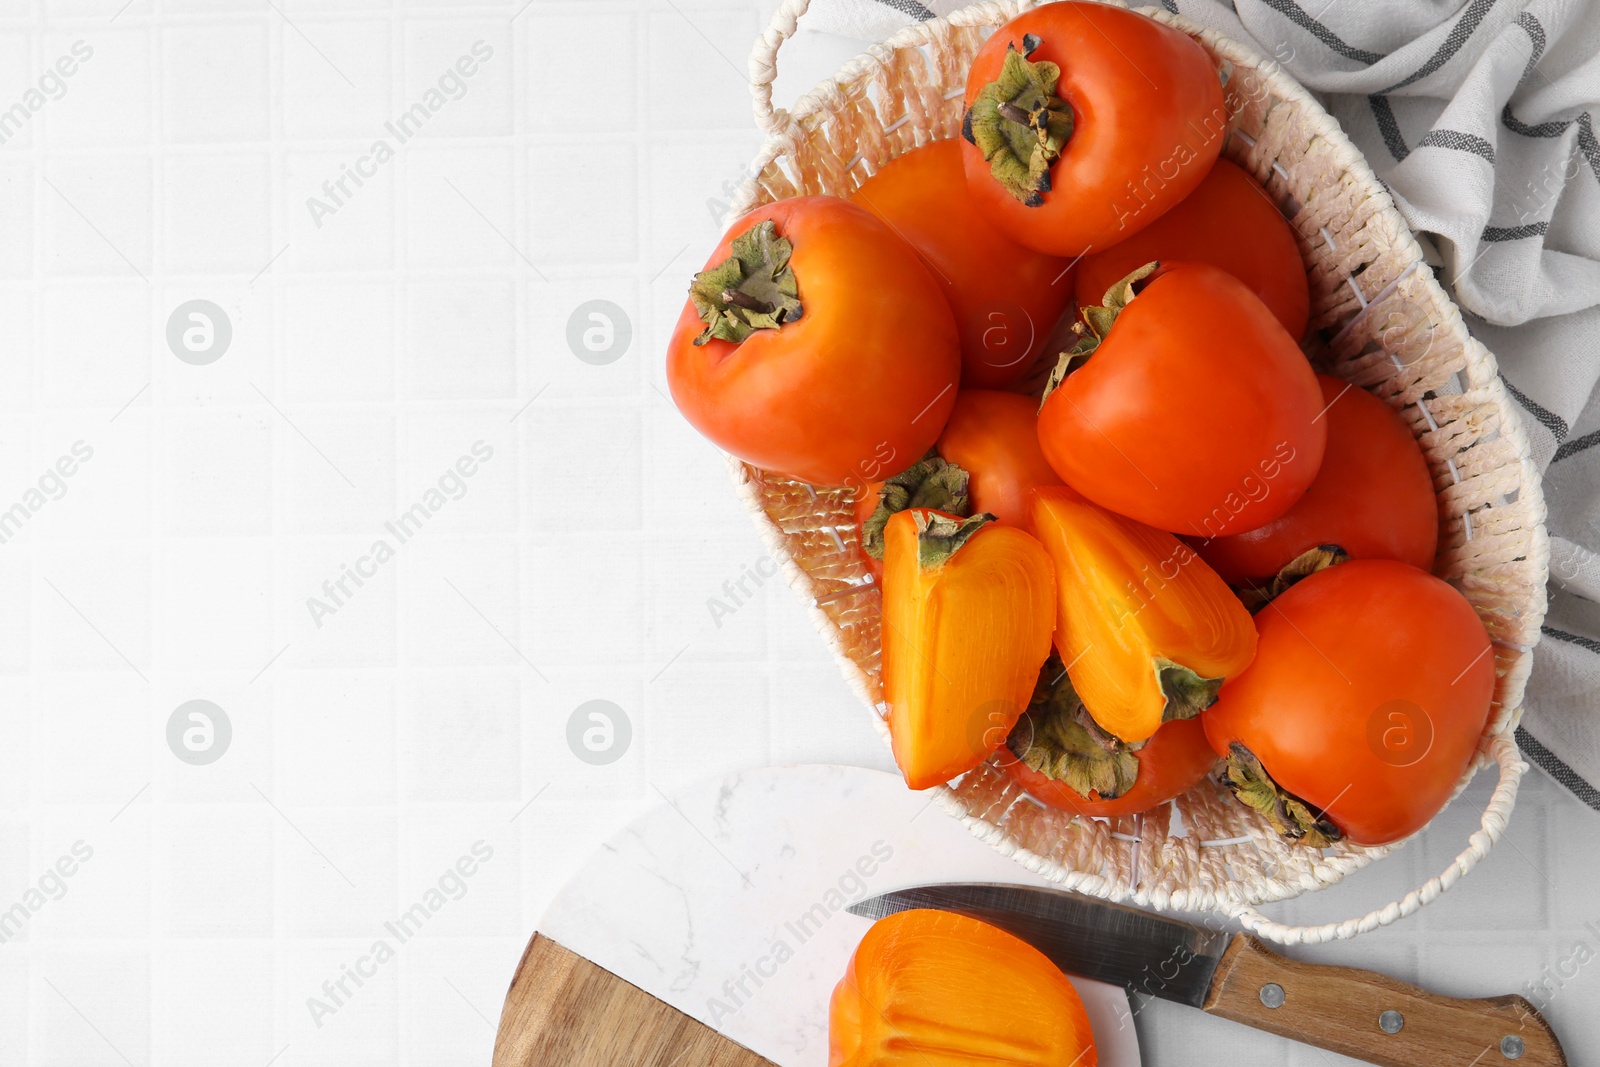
(1233, 976)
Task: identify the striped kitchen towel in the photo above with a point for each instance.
(1480, 118)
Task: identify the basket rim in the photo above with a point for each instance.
(1478, 371)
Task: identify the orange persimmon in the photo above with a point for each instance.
(1228, 221)
(939, 989)
(968, 608)
(1373, 497)
(988, 460)
(994, 437)
(1147, 631)
(1060, 764)
(1006, 298)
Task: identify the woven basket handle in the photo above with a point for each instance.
(764, 63)
(1505, 753)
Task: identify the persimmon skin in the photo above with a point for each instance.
(1128, 595)
(962, 645)
(1006, 298)
(1171, 763)
(1228, 221)
(1149, 120)
(1342, 653)
(994, 437)
(937, 989)
(854, 390)
(1197, 414)
(1373, 497)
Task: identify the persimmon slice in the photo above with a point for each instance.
(1147, 630)
(938, 989)
(968, 609)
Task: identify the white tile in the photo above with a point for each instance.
(357, 496)
(584, 337)
(335, 734)
(817, 719)
(329, 627)
(16, 360)
(461, 603)
(585, 612)
(356, 1025)
(558, 71)
(106, 473)
(572, 755)
(98, 215)
(218, 211)
(700, 54)
(457, 79)
(91, 737)
(107, 101)
(460, 340)
(212, 1001)
(14, 1024)
(95, 343)
(461, 206)
(341, 340)
(94, 607)
(462, 466)
(217, 471)
(464, 871)
(604, 441)
(214, 83)
(344, 90)
(107, 894)
(234, 312)
(87, 998)
(355, 895)
(688, 703)
(16, 219)
(459, 735)
(243, 764)
(16, 719)
(213, 605)
(16, 60)
(709, 592)
(448, 988)
(214, 871)
(563, 226)
(333, 230)
(16, 623)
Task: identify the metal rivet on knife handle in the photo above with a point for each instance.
(1272, 995)
(1391, 1021)
(1511, 1047)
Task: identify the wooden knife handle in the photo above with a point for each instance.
(1346, 1010)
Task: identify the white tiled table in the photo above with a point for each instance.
(429, 712)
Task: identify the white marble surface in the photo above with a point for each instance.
(728, 900)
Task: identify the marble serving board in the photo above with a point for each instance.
(728, 901)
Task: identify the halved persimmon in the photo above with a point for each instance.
(938, 989)
(968, 609)
(1147, 631)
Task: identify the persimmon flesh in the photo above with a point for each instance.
(968, 609)
(1147, 631)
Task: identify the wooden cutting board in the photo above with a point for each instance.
(563, 1011)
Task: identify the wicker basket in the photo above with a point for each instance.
(1383, 324)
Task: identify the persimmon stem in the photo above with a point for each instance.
(1014, 113)
(749, 303)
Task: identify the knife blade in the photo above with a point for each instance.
(1234, 976)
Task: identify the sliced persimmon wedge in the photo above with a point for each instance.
(968, 609)
(1147, 630)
